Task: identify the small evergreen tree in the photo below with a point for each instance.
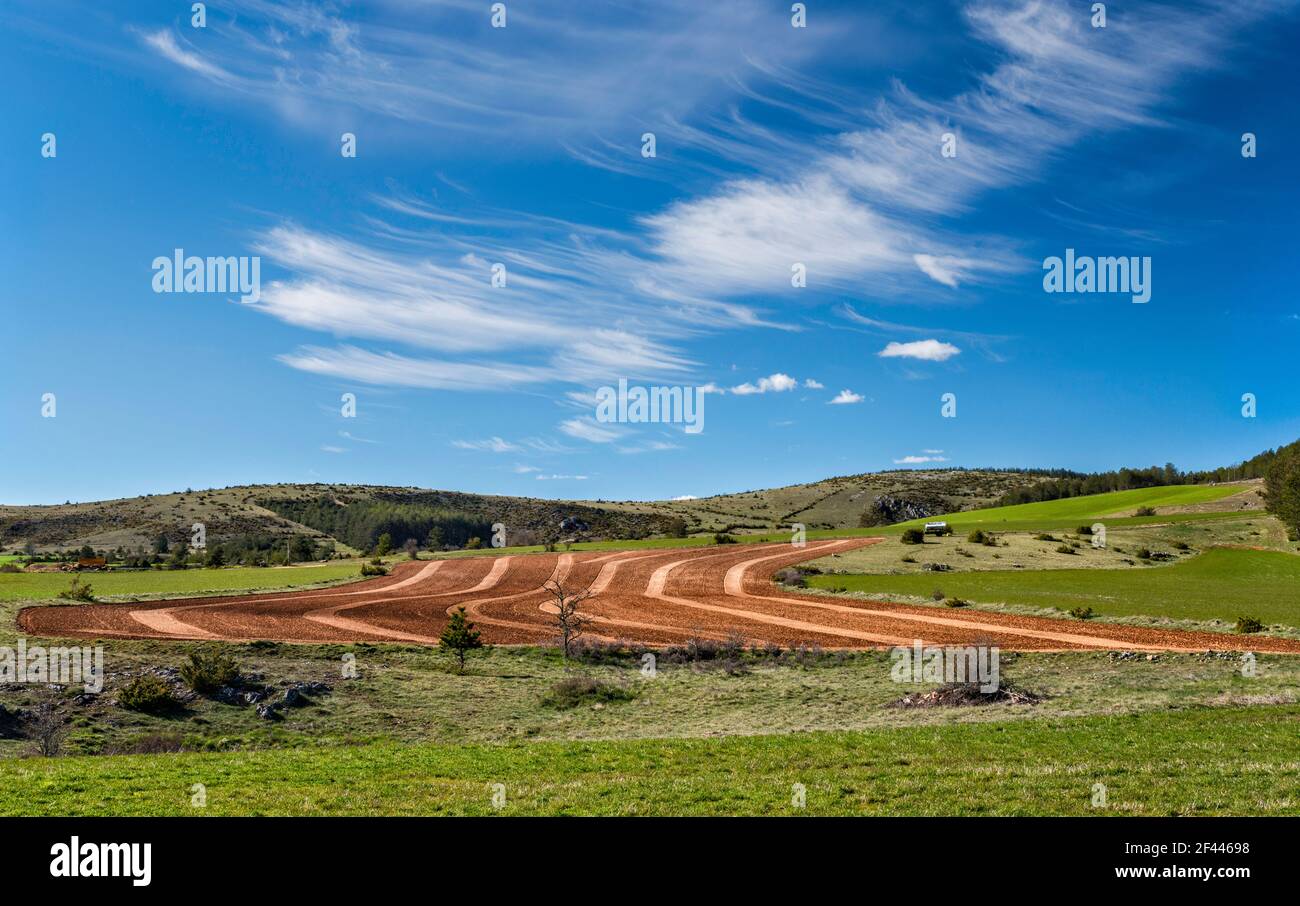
(435, 540)
(384, 545)
(460, 637)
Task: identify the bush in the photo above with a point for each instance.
(723, 538)
(146, 693)
(956, 602)
(78, 591)
(1181, 546)
(1143, 553)
(979, 536)
(577, 690)
(208, 673)
(938, 594)
(1083, 530)
(1248, 625)
(370, 569)
(9, 568)
(1066, 549)
(909, 559)
(913, 536)
(1044, 536)
(1081, 613)
(791, 577)
(1144, 511)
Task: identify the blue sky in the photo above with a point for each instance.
(523, 146)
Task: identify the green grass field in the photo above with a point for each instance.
(1238, 761)
(44, 586)
(1074, 511)
(1220, 584)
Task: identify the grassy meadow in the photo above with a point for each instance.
(1237, 761)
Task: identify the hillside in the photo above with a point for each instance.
(275, 510)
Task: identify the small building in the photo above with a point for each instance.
(91, 563)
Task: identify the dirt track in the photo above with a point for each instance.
(654, 597)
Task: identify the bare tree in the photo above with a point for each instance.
(47, 732)
(570, 623)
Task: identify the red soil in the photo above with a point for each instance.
(652, 597)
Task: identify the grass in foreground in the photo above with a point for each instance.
(1220, 584)
(1239, 761)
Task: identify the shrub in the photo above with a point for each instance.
(1081, 613)
(460, 637)
(1044, 536)
(1145, 511)
(913, 536)
(9, 568)
(791, 577)
(979, 536)
(208, 673)
(577, 690)
(724, 538)
(956, 602)
(146, 693)
(908, 558)
(78, 591)
(1247, 625)
(370, 569)
(1143, 553)
(1181, 546)
(938, 594)
(1083, 530)
(1066, 549)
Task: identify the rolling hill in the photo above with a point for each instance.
(283, 510)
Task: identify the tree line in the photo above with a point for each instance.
(1080, 485)
(361, 523)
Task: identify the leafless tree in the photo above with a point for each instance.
(47, 732)
(570, 623)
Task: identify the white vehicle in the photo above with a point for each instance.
(937, 528)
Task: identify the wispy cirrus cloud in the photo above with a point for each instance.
(490, 445)
(875, 204)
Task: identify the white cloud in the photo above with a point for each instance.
(917, 460)
(814, 385)
(491, 445)
(845, 397)
(557, 73)
(165, 43)
(587, 428)
(561, 477)
(330, 448)
(865, 204)
(926, 350)
(525, 470)
(686, 497)
(775, 383)
(941, 270)
(932, 452)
